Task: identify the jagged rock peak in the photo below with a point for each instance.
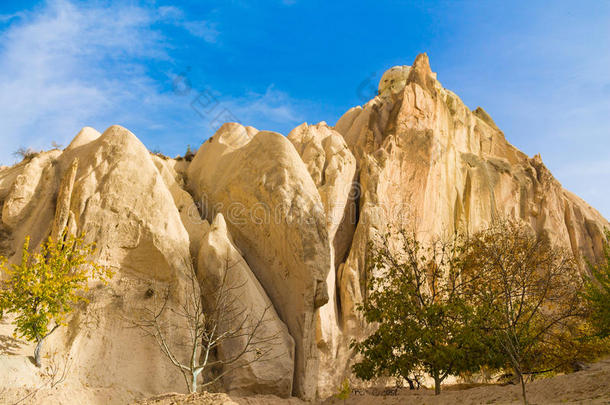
(396, 78)
(482, 114)
(421, 73)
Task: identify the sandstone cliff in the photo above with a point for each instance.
(295, 213)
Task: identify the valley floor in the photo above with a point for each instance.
(591, 386)
(18, 382)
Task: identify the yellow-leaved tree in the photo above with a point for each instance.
(43, 289)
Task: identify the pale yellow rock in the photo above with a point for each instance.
(332, 168)
(394, 79)
(116, 197)
(32, 178)
(276, 217)
(85, 136)
(121, 200)
(189, 211)
(219, 260)
(27, 193)
(64, 197)
(428, 163)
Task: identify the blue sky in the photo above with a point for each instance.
(541, 69)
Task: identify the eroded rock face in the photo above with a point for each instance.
(275, 215)
(63, 214)
(428, 163)
(174, 179)
(23, 184)
(332, 168)
(249, 313)
(120, 201)
(109, 190)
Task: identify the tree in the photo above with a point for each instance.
(597, 292)
(189, 155)
(54, 373)
(26, 154)
(44, 288)
(344, 391)
(211, 319)
(416, 298)
(527, 295)
(56, 145)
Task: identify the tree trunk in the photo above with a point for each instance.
(522, 380)
(37, 352)
(39, 340)
(194, 375)
(194, 382)
(437, 384)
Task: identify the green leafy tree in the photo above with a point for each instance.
(597, 292)
(526, 292)
(43, 289)
(424, 320)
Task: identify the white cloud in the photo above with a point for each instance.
(273, 106)
(68, 64)
(4, 18)
(203, 29)
(272, 110)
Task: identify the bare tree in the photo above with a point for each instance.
(25, 153)
(53, 374)
(213, 318)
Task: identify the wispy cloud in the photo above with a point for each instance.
(4, 18)
(68, 64)
(271, 110)
(199, 28)
(273, 107)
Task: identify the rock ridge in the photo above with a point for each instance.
(296, 214)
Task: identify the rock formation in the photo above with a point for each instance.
(429, 163)
(294, 213)
(222, 268)
(332, 167)
(108, 189)
(275, 215)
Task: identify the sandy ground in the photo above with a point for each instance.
(207, 398)
(591, 386)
